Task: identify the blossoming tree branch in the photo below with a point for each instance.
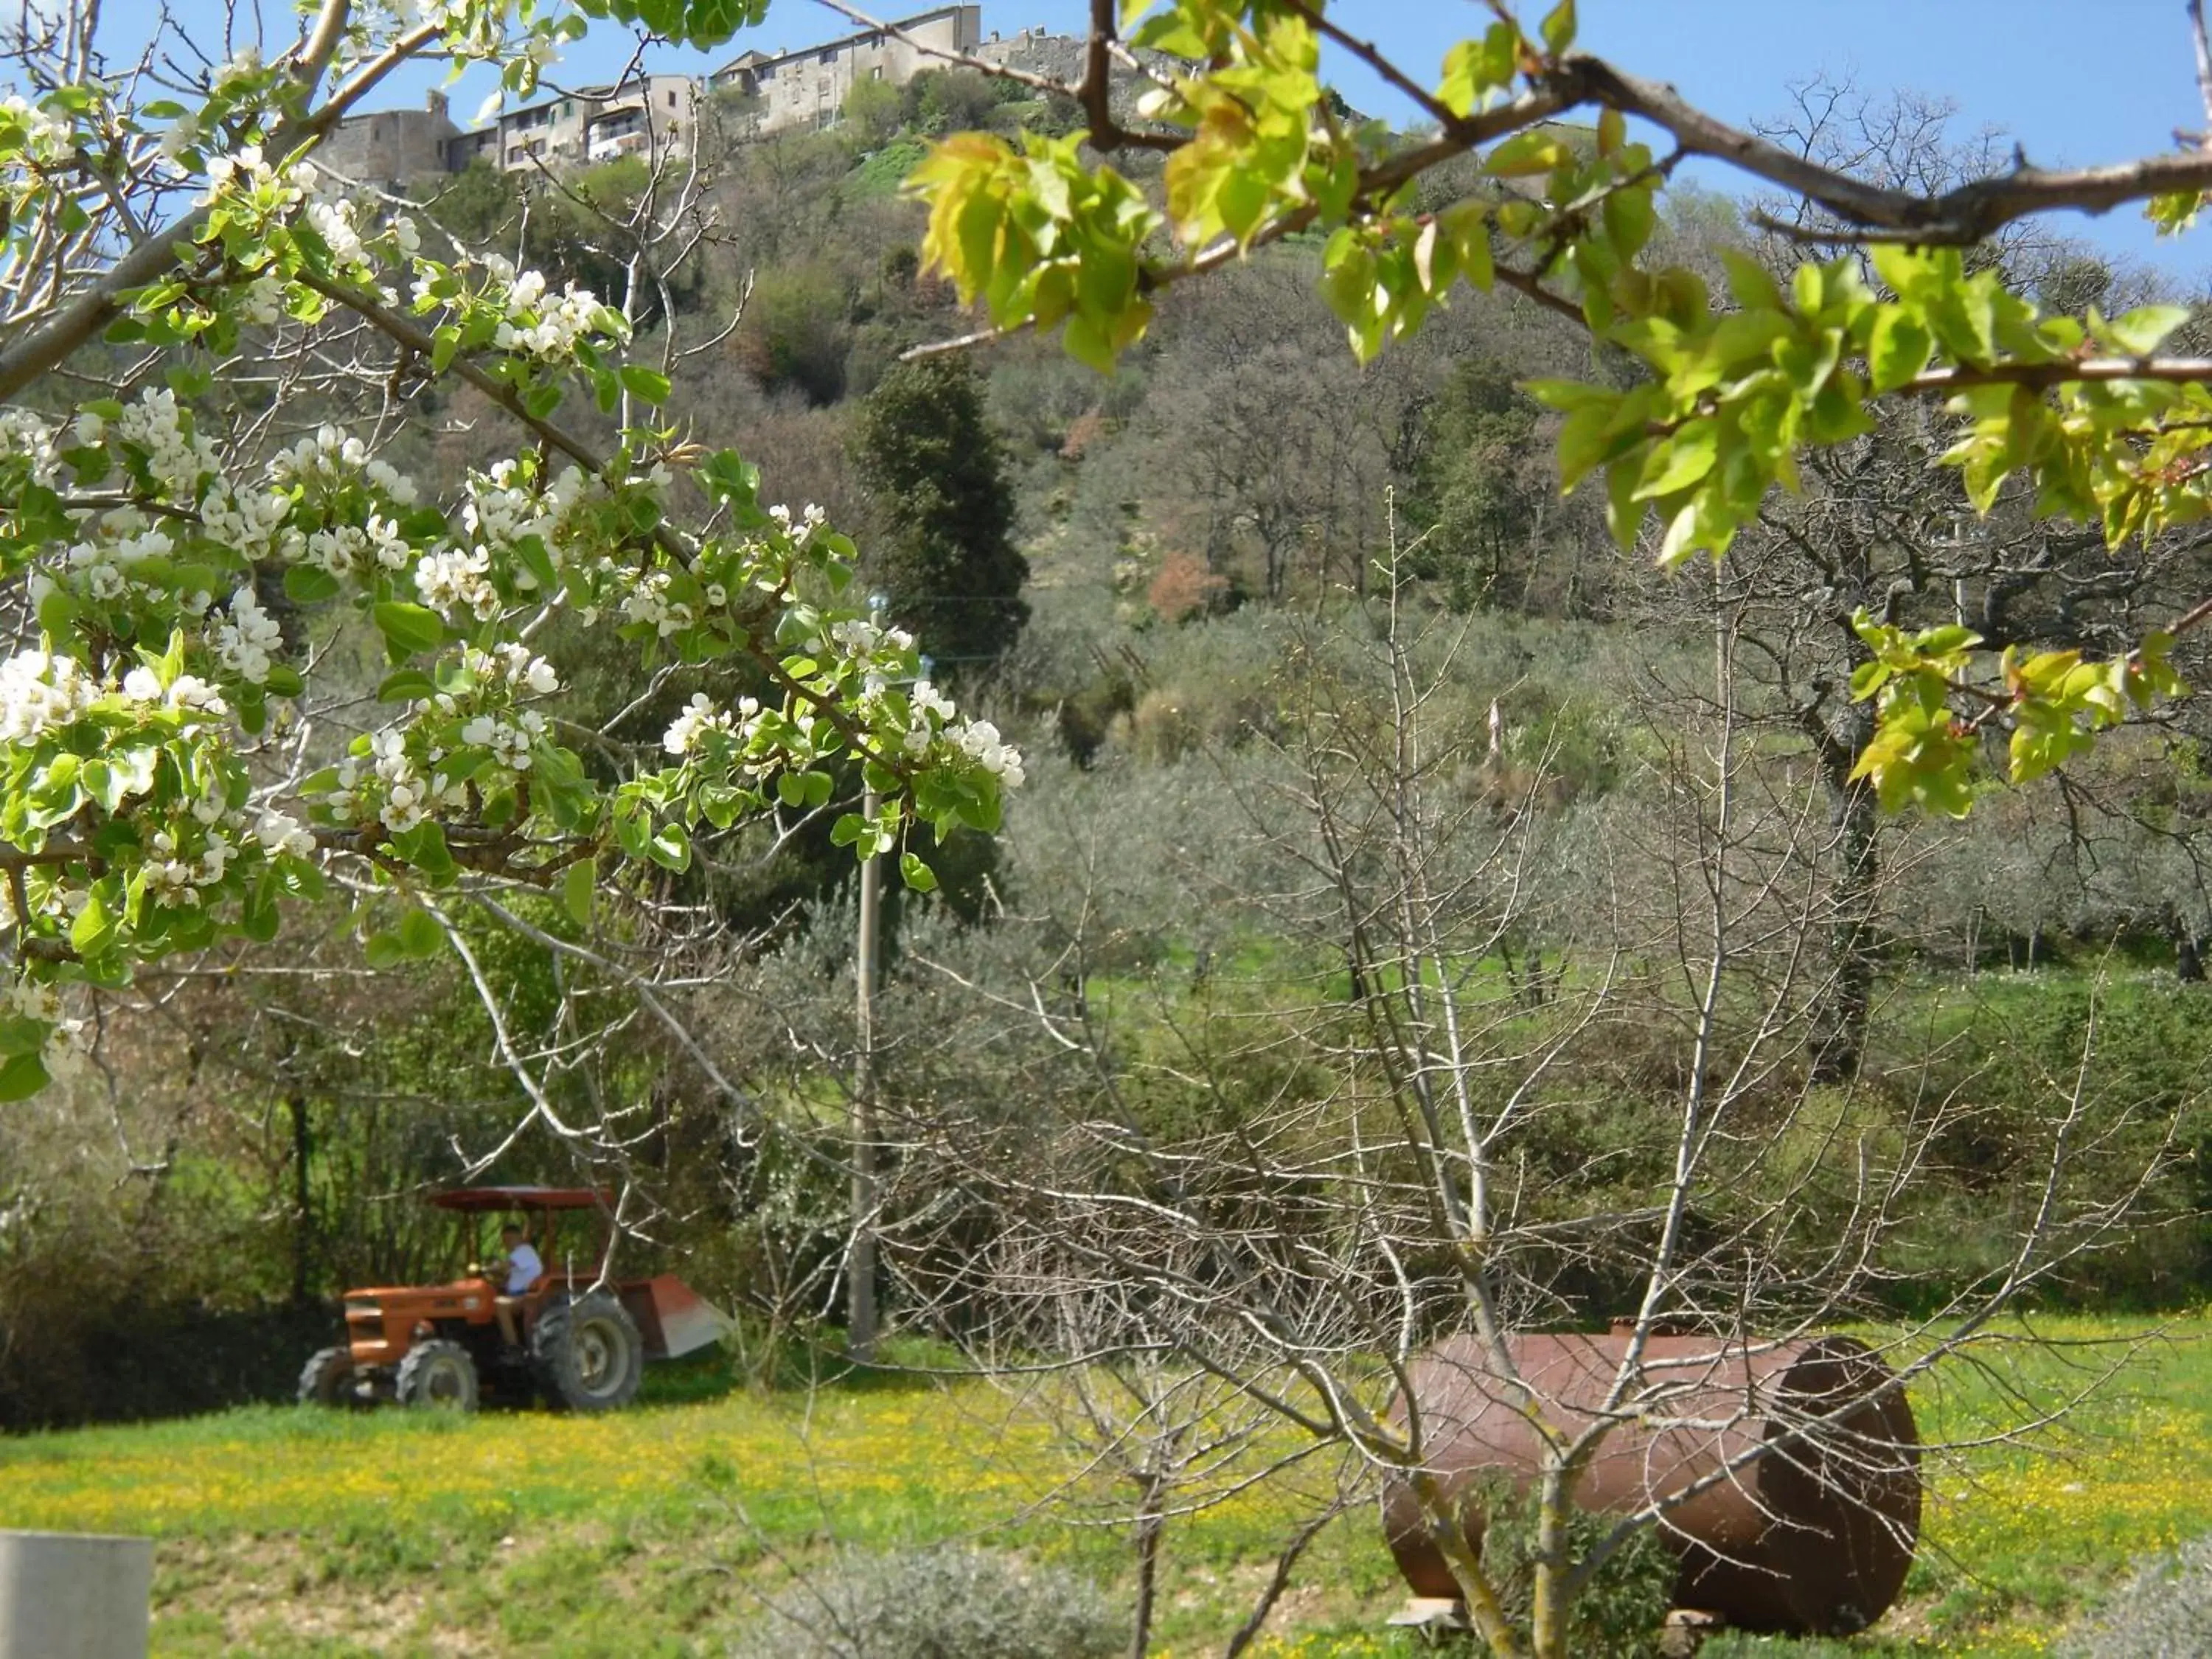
(168, 781)
(2082, 412)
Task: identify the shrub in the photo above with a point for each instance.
(947, 1603)
(2165, 1610)
(1622, 1610)
(796, 332)
(955, 99)
(872, 112)
(1184, 588)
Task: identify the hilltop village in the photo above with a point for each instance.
(659, 116)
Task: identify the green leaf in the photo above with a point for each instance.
(258, 917)
(94, 927)
(1628, 219)
(670, 848)
(1464, 223)
(409, 629)
(424, 847)
(57, 613)
(1749, 281)
(639, 381)
(22, 1077)
(1526, 155)
(1681, 460)
(1899, 349)
(1559, 27)
(2140, 331)
(406, 685)
(1867, 678)
(383, 950)
(420, 935)
(308, 584)
(633, 828)
(576, 888)
(1349, 288)
(20, 1034)
(916, 874)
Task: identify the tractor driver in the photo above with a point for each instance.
(520, 1266)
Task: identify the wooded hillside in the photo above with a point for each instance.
(1322, 692)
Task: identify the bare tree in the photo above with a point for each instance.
(1300, 1189)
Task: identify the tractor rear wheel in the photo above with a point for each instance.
(590, 1356)
(328, 1379)
(438, 1375)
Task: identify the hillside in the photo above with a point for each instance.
(1414, 913)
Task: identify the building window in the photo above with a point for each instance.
(672, 100)
(829, 56)
(877, 73)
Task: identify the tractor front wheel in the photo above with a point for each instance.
(438, 1375)
(328, 1379)
(590, 1356)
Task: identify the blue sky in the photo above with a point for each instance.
(2073, 82)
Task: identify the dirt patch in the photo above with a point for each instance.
(255, 1588)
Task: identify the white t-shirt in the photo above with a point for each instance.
(523, 1267)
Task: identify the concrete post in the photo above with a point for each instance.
(74, 1595)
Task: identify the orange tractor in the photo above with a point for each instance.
(584, 1336)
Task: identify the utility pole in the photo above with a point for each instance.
(860, 1276)
(860, 1268)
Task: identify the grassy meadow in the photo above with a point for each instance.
(655, 1532)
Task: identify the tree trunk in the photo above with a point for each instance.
(1839, 1024)
(1547, 1611)
(303, 1215)
(1246, 1634)
(1446, 1527)
(1150, 1524)
(2188, 956)
(1836, 1044)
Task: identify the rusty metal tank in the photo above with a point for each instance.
(1811, 1538)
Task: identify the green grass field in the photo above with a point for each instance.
(654, 1532)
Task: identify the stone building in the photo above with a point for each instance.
(654, 115)
(390, 146)
(772, 92)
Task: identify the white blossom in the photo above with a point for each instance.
(696, 719)
(40, 691)
(980, 740)
(279, 832)
(51, 140)
(448, 577)
(245, 642)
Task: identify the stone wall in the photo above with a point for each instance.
(390, 146)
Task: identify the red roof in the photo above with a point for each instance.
(478, 1199)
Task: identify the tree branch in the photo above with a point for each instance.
(1957, 217)
(2184, 371)
(47, 348)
